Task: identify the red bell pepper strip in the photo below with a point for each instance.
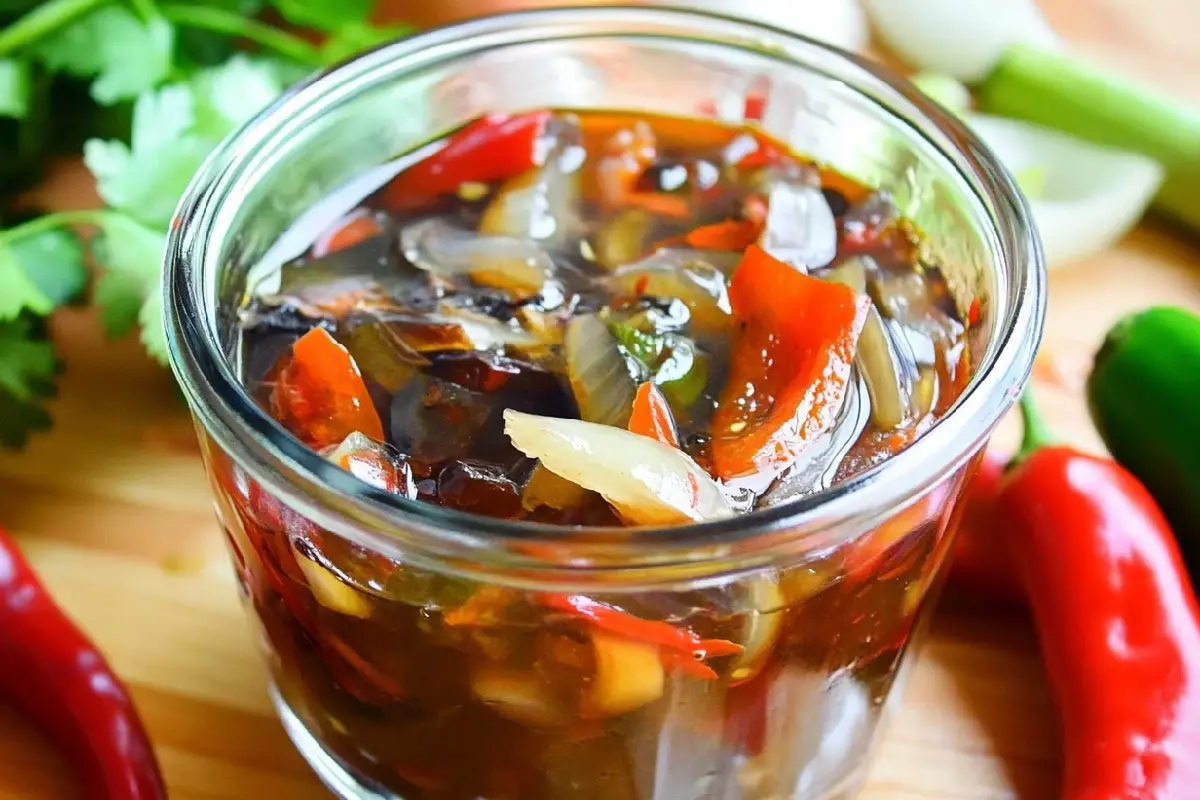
(652, 415)
(1116, 617)
(980, 567)
(621, 623)
(791, 363)
(491, 148)
(53, 674)
(320, 396)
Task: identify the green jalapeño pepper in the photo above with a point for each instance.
(1144, 397)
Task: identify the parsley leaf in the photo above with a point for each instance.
(124, 54)
(28, 365)
(327, 15)
(39, 272)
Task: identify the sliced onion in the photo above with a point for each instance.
(687, 275)
(647, 482)
(1091, 195)
(764, 620)
(541, 203)
(800, 226)
(965, 43)
(330, 591)
(622, 240)
(599, 374)
(485, 332)
(519, 266)
(628, 676)
(520, 695)
(888, 374)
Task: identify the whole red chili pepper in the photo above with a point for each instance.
(1117, 619)
(981, 568)
(51, 672)
(490, 148)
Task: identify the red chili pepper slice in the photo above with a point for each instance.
(652, 415)
(687, 664)
(1116, 616)
(320, 395)
(734, 235)
(493, 147)
(790, 366)
(622, 623)
(53, 674)
(356, 227)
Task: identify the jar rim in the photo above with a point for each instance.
(336, 500)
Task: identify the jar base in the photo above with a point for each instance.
(344, 784)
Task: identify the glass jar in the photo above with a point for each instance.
(418, 652)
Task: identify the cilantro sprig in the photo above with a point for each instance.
(154, 87)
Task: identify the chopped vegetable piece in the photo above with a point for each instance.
(370, 462)
(791, 364)
(621, 623)
(330, 591)
(734, 234)
(601, 378)
(352, 229)
(889, 374)
(652, 416)
(544, 488)
(764, 621)
(647, 482)
(629, 152)
(520, 695)
(320, 395)
(696, 278)
(623, 239)
(800, 227)
(493, 147)
(629, 675)
(675, 363)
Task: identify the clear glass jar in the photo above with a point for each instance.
(389, 681)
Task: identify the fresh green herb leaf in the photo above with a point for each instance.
(131, 257)
(39, 272)
(53, 261)
(154, 334)
(355, 38)
(15, 88)
(125, 55)
(673, 361)
(28, 365)
(645, 347)
(326, 15)
(229, 95)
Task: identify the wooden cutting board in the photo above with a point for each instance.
(113, 509)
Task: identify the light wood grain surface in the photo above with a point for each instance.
(114, 511)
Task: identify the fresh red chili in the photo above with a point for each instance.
(53, 674)
(491, 148)
(652, 415)
(981, 568)
(1117, 619)
(621, 623)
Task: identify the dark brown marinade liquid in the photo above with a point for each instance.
(402, 693)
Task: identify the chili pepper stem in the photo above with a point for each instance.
(1037, 432)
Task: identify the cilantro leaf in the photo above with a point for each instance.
(154, 334)
(39, 272)
(28, 365)
(327, 15)
(174, 129)
(124, 54)
(130, 255)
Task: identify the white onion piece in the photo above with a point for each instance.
(484, 332)
(541, 203)
(522, 696)
(442, 249)
(646, 481)
(800, 226)
(599, 374)
(965, 41)
(688, 275)
(1091, 196)
(839, 22)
